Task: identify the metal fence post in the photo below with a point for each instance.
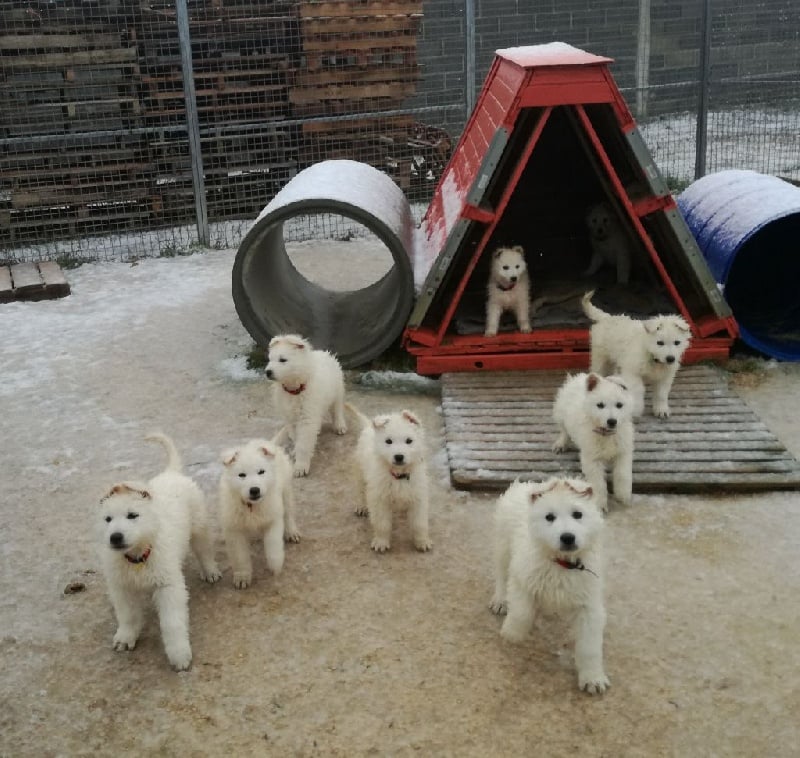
(469, 56)
(643, 59)
(192, 122)
(701, 141)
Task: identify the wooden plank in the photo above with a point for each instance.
(25, 278)
(347, 8)
(499, 427)
(124, 55)
(6, 288)
(54, 280)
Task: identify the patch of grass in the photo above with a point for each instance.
(676, 186)
(256, 358)
(68, 261)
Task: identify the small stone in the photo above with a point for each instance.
(74, 587)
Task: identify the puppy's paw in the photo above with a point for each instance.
(241, 580)
(423, 545)
(180, 656)
(661, 411)
(593, 682)
(301, 469)
(275, 565)
(380, 545)
(513, 633)
(291, 535)
(490, 333)
(340, 429)
(361, 511)
(211, 576)
(498, 606)
(124, 639)
(559, 446)
(525, 328)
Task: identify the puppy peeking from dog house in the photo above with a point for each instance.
(508, 289)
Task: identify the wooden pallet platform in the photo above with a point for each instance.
(32, 281)
(499, 428)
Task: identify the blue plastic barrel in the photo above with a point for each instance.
(748, 227)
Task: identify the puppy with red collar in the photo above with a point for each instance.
(308, 390)
(148, 528)
(508, 289)
(256, 503)
(390, 460)
(596, 413)
(548, 558)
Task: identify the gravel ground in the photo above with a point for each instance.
(348, 653)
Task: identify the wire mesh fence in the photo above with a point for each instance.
(121, 124)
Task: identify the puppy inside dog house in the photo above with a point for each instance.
(551, 162)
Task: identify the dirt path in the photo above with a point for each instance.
(349, 653)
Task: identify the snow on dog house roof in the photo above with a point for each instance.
(550, 136)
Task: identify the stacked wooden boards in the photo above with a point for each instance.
(499, 428)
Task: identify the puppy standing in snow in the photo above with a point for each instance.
(548, 557)
(596, 413)
(148, 529)
(610, 244)
(256, 502)
(390, 458)
(308, 389)
(640, 351)
(508, 289)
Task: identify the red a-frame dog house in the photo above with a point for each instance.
(550, 136)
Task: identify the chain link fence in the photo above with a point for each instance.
(131, 128)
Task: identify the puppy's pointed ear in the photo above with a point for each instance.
(380, 421)
(543, 488)
(410, 417)
(592, 381)
(681, 324)
(518, 249)
(229, 457)
(651, 326)
(580, 488)
(126, 489)
(267, 452)
(497, 253)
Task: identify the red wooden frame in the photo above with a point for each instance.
(541, 77)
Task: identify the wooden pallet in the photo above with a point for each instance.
(499, 428)
(32, 281)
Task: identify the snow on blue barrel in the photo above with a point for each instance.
(748, 227)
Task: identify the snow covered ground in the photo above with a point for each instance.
(348, 653)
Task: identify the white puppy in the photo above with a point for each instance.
(256, 502)
(508, 289)
(610, 244)
(309, 388)
(147, 531)
(390, 460)
(648, 351)
(596, 413)
(548, 557)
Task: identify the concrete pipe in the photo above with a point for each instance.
(272, 297)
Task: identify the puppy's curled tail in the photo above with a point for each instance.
(363, 420)
(592, 311)
(174, 462)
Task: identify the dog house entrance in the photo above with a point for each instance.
(546, 214)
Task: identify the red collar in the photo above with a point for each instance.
(141, 559)
(294, 392)
(578, 564)
(400, 476)
(506, 289)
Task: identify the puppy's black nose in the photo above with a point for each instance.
(568, 539)
(399, 458)
(255, 491)
(611, 423)
(269, 373)
(512, 279)
(117, 539)
(670, 359)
